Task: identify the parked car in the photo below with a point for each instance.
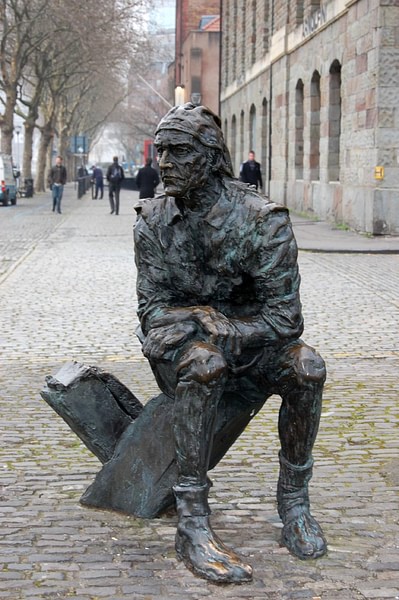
(8, 183)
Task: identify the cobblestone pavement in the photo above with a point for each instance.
(67, 292)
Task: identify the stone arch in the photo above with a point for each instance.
(315, 105)
(252, 127)
(334, 121)
(299, 127)
(264, 138)
(242, 121)
(233, 143)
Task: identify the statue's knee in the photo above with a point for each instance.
(203, 363)
(310, 366)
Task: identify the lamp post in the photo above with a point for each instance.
(17, 130)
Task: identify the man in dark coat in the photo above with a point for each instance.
(147, 180)
(250, 171)
(98, 178)
(219, 311)
(115, 176)
(56, 180)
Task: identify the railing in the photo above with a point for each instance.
(83, 184)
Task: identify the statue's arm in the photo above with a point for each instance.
(274, 272)
(155, 298)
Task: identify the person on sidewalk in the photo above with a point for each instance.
(219, 311)
(250, 171)
(98, 179)
(115, 176)
(56, 180)
(147, 180)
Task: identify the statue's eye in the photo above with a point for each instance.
(181, 150)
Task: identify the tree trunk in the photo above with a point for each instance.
(46, 139)
(28, 150)
(7, 120)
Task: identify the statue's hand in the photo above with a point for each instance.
(163, 339)
(221, 331)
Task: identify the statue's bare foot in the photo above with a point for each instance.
(303, 536)
(205, 554)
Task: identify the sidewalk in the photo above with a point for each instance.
(320, 236)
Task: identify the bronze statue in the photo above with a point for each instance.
(220, 323)
(218, 292)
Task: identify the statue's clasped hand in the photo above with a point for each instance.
(221, 331)
(161, 340)
(176, 325)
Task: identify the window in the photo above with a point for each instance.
(264, 139)
(299, 121)
(314, 158)
(233, 148)
(252, 127)
(334, 121)
(242, 135)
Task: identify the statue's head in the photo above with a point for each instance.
(191, 148)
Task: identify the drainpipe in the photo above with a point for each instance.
(270, 104)
(220, 58)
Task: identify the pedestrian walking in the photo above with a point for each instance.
(98, 179)
(147, 180)
(56, 180)
(115, 176)
(82, 171)
(250, 171)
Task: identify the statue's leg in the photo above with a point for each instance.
(301, 391)
(202, 374)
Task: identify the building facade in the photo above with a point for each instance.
(312, 87)
(200, 64)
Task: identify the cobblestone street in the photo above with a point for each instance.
(67, 289)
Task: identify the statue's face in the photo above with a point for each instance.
(182, 162)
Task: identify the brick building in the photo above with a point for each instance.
(197, 65)
(313, 88)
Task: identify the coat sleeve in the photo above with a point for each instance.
(153, 289)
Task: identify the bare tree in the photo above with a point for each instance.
(71, 58)
(20, 34)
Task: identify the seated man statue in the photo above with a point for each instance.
(219, 311)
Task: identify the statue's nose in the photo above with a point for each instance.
(164, 161)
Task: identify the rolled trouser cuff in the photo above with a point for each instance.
(192, 501)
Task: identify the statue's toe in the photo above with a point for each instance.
(304, 537)
(206, 555)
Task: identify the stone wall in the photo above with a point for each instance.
(345, 55)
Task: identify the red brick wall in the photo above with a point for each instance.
(188, 16)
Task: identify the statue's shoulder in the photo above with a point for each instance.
(150, 208)
(254, 201)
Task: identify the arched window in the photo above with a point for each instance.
(233, 148)
(242, 136)
(334, 121)
(314, 158)
(299, 122)
(264, 140)
(253, 33)
(252, 127)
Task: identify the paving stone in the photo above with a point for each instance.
(68, 293)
